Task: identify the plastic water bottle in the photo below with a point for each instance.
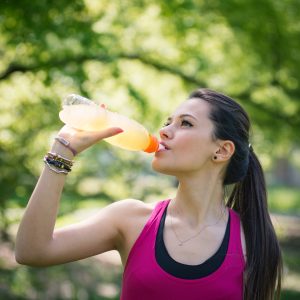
(83, 114)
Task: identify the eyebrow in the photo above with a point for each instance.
(182, 116)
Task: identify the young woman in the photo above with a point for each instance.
(209, 242)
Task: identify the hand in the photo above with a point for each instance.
(81, 140)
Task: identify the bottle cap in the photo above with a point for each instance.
(153, 144)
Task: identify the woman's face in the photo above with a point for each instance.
(187, 137)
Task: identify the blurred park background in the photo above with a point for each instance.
(141, 58)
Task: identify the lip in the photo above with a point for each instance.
(163, 147)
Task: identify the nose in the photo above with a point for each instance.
(166, 132)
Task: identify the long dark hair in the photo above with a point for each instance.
(262, 276)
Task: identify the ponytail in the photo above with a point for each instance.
(263, 270)
(264, 264)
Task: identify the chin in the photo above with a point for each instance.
(160, 168)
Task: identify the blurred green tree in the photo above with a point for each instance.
(144, 56)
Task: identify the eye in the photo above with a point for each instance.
(186, 123)
(166, 124)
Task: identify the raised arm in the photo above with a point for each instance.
(37, 243)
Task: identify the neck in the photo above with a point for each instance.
(199, 200)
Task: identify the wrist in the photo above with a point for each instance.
(61, 150)
(66, 144)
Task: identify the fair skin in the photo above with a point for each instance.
(191, 155)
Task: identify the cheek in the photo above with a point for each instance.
(192, 159)
(195, 151)
(186, 158)
(190, 145)
(189, 152)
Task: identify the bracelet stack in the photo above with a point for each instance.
(57, 163)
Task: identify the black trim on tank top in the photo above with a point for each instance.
(184, 271)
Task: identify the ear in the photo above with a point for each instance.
(225, 151)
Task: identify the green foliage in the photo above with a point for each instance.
(141, 58)
(90, 279)
(284, 200)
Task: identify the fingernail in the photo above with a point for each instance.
(120, 130)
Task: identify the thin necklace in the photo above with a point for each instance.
(181, 242)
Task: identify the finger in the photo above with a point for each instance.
(103, 134)
(103, 106)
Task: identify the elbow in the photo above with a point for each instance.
(31, 260)
(23, 259)
(30, 255)
(21, 254)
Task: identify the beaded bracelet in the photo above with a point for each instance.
(58, 164)
(60, 158)
(62, 171)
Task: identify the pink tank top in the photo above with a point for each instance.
(144, 279)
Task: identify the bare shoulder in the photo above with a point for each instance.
(130, 207)
(130, 212)
(131, 216)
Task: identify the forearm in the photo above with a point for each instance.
(36, 244)
(36, 228)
